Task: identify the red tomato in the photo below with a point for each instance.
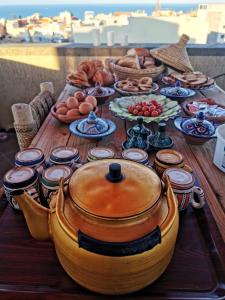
(138, 107)
(159, 110)
(140, 113)
(154, 113)
(135, 112)
(130, 109)
(145, 108)
(147, 114)
(154, 102)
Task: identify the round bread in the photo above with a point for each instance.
(73, 113)
(60, 104)
(92, 100)
(85, 108)
(62, 111)
(80, 96)
(72, 102)
(145, 81)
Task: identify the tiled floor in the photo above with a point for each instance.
(8, 149)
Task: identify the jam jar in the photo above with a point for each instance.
(51, 178)
(21, 178)
(31, 157)
(64, 156)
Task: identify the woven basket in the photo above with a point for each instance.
(122, 73)
(175, 55)
(25, 134)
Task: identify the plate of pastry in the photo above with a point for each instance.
(89, 73)
(132, 87)
(153, 108)
(192, 80)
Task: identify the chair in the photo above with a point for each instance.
(28, 118)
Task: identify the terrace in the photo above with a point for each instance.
(202, 234)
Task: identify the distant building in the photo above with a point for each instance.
(214, 14)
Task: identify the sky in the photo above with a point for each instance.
(43, 2)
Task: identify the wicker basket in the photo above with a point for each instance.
(122, 73)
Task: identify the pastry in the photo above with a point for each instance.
(129, 62)
(103, 77)
(138, 52)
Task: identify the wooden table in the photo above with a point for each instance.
(29, 269)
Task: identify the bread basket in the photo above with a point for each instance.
(122, 73)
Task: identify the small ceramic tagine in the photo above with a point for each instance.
(196, 130)
(160, 140)
(145, 132)
(92, 127)
(136, 140)
(177, 92)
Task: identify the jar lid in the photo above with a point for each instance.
(115, 193)
(52, 175)
(19, 177)
(169, 157)
(29, 157)
(100, 153)
(179, 178)
(92, 125)
(64, 154)
(135, 154)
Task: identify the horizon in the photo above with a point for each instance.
(108, 2)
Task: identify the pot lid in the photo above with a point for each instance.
(55, 173)
(179, 178)
(64, 153)
(114, 188)
(135, 154)
(169, 157)
(198, 126)
(100, 153)
(92, 125)
(29, 156)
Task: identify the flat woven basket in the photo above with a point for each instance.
(122, 73)
(175, 55)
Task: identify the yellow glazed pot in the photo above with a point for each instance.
(114, 230)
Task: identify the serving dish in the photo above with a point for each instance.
(154, 89)
(119, 107)
(92, 127)
(177, 92)
(213, 111)
(196, 131)
(67, 120)
(102, 94)
(192, 80)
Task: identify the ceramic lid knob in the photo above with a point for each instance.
(162, 127)
(115, 174)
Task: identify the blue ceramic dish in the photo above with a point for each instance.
(74, 129)
(177, 92)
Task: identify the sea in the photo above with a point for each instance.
(16, 11)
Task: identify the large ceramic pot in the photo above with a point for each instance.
(114, 231)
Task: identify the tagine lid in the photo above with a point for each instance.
(170, 157)
(92, 125)
(29, 155)
(179, 178)
(198, 126)
(100, 189)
